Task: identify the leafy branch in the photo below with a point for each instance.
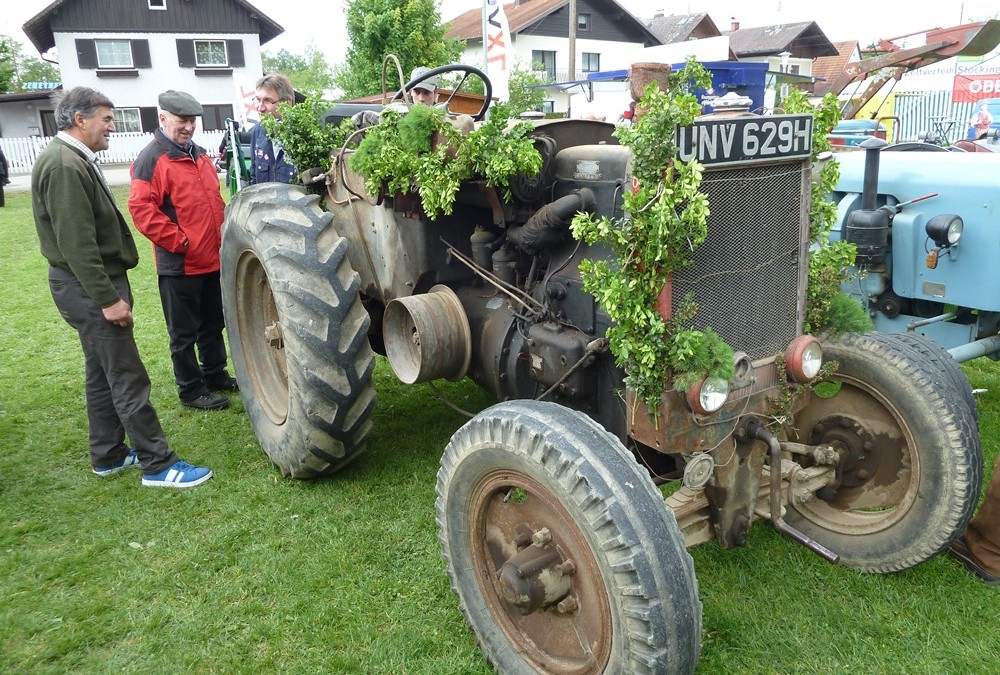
(665, 222)
(828, 309)
(421, 150)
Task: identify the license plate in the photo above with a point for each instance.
(741, 139)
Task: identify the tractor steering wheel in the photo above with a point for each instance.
(453, 68)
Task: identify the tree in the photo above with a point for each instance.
(410, 29)
(37, 70)
(10, 52)
(310, 73)
(16, 68)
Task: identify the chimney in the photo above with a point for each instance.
(659, 14)
(734, 25)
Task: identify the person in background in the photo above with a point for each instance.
(978, 548)
(4, 175)
(268, 163)
(980, 123)
(176, 203)
(426, 91)
(90, 249)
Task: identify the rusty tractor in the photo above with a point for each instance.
(563, 552)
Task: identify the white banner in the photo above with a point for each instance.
(498, 48)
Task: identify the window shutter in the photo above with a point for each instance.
(234, 49)
(150, 119)
(86, 54)
(140, 54)
(185, 53)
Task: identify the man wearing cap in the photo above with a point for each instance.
(176, 203)
(426, 91)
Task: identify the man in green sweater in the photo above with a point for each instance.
(90, 248)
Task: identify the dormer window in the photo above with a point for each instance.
(157, 4)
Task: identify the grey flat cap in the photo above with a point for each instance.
(179, 103)
(430, 84)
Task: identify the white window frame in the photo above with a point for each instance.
(157, 4)
(127, 119)
(592, 56)
(225, 54)
(128, 46)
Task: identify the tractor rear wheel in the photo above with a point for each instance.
(562, 552)
(297, 330)
(911, 466)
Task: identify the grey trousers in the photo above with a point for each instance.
(117, 384)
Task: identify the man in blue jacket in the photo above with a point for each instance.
(268, 163)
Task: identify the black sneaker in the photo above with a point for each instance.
(225, 383)
(207, 401)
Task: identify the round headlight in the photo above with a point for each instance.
(803, 358)
(709, 396)
(955, 231)
(945, 229)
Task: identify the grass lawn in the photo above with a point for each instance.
(253, 572)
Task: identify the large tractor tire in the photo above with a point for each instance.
(912, 472)
(562, 552)
(297, 330)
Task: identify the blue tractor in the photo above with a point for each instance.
(927, 247)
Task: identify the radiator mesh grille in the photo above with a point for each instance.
(745, 277)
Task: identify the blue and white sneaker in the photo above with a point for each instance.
(178, 475)
(130, 461)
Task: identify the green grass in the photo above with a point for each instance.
(253, 572)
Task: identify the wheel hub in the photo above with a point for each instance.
(854, 442)
(537, 577)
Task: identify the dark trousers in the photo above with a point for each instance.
(117, 384)
(983, 533)
(192, 308)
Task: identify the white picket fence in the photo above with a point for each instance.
(124, 147)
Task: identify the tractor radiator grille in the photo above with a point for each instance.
(748, 278)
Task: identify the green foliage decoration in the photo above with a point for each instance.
(829, 311)
(306, 140)
(421, 150)
(665, 222)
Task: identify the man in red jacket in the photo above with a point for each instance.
(176, 203)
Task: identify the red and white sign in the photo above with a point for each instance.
(971, 88)
(499, 48)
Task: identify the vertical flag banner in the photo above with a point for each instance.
(498, 48)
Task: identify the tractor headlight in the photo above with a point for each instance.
(803, 358)
(708, 396)
(945, 229)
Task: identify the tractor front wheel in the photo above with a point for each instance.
(562, 552)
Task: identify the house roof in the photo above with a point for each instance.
(829, 67)
(39, 27)
(802, 40)
(682, 27)
(523, 14)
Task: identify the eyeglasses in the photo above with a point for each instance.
(268, 101)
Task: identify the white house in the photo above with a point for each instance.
(607, 37)
(132, 50)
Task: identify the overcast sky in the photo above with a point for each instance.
(321, 22)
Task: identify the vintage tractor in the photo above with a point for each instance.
(926, 246)
(564, 554)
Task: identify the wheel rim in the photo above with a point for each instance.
(881, 472)
(261, 338)
(570, 632)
